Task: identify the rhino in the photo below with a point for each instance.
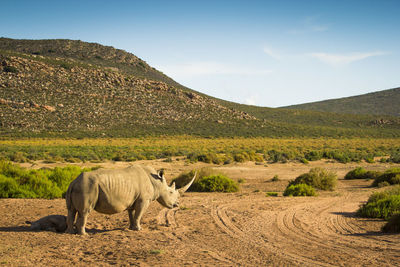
(113, 191)
(50, 223)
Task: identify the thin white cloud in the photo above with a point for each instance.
(319, 28)
(310, 24)
(210, 68)
(343, 59)
(272, 53)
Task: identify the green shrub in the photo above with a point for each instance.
(185, 178)
(275, 178)
(228, 161)
(207, 158)
(66, 65)
(73, 160)
(369, 160)
(361, 173)
(19, 157)
(215, 183)
(318, 178)
(11, 69)
(393, 225)
(271, 194)
(383, 160)
(9, 188)
(169, 159)
(241, 157)
(43, 188)
(276, 156)
(207, 180)
(383, 184)
(62, 177)
(382, 204)
(299, 190)
(391, 176)
(342, 157)
(395, 157)
(156, 251)
(303, 160)
(18, 182)
(313, 155)
(241, 181)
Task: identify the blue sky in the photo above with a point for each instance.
(266, 53)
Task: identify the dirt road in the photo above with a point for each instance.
(246, 228)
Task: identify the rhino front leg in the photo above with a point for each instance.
(81, 222)
(139, 207)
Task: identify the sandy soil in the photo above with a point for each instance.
(214, 229)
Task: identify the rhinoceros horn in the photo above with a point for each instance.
(186, 187)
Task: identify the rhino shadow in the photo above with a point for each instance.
(99, 231)
(15, 229)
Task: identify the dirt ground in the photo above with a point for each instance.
(246, 228)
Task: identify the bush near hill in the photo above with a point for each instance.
(207, 180)
(318, 178)
(299, 190)
(361, 173)
(18, 182)
(389, 177)
(383, 204)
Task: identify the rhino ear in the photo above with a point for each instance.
(161, 176)
(173, 186)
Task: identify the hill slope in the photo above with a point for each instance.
(384, 102)
(73, 88)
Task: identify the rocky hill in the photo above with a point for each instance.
(384, 102)
(73, 88)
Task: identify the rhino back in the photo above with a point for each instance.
(119, 189)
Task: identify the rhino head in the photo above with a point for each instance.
(169, 195)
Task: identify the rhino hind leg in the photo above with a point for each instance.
(71, 220)
(139, 207)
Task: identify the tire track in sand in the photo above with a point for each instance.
(309, 231)
(257, 239)
(167, 217)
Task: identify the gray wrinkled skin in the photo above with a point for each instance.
(113, 191)
(50, 223)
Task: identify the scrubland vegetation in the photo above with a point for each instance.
(361, 173)
(306, 183)
(382, 204)
(17, 182)
(299, 190)
(207, 180)
(385, 205)
(209, 150)
(318, 178)
(389, 177)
